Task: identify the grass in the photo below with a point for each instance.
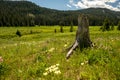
(28, 56)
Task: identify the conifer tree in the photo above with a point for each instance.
(112, 26)
(71, 27)
(61, 29)
(106, 25)
(18, 33)
(118, 28)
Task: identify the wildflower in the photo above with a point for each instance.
(1, 59)
(57, 72)
(112, 40)
(20, 71)
(51, 50)
(86, 62)
(82, 63)
(53, 68)
(47, 69)
(57, 64)
(45, 73)
(50, 70)
(65, 45)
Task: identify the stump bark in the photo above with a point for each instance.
(82, 39)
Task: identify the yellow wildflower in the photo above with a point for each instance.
(45, 73)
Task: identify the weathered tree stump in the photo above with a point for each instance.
(82, 39)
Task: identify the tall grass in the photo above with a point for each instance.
(27, 57)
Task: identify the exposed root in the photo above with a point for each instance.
(73, 47)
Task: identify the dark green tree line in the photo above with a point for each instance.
(24, 13)
(118, 28)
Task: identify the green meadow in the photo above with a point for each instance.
(40, 54)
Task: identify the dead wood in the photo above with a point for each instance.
(82, 39)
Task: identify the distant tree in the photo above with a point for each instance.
(118, 28)
(61, 23)
(55, 30)
(61, 29)
(112, 26)
(18, 33)
(1, 24)
(71, 27)
(106, 25)
(31, 32)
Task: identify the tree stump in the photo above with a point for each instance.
(82, 39)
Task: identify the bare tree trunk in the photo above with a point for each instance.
(82, 35)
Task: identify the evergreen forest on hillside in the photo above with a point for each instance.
(25, 13)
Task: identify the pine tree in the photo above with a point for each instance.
(55, 30)
(71, 27)
(18, 33)
(106, 25)
(112, 26)
(61, 29)
(61, 23)
(118, 28)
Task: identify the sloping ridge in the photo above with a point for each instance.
(22, 13)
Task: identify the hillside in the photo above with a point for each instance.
(97, 15)
(24, 13)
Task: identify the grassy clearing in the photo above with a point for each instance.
(39, 48)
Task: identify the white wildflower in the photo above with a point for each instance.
(47, 69)
(45, 73)
(52, 66)
(54, 69)
(57, 72)
(82, 63)
(50, 70)
(57, 64)
(86, 62)
(51, 50)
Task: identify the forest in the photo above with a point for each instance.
(25, 13)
